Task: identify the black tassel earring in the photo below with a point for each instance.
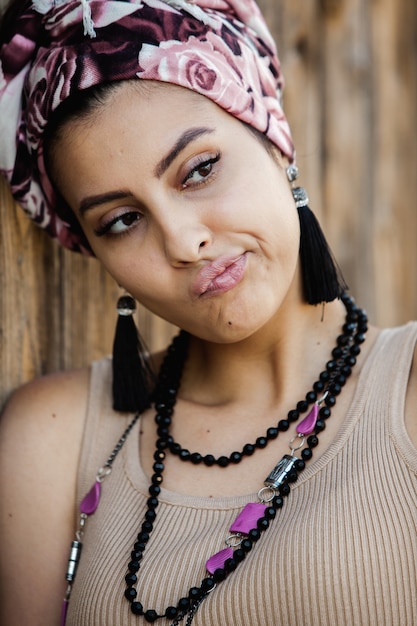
(322, 277)
(132, 375)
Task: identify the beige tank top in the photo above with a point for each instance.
(341, 552)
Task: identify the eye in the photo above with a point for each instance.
(200, 172)
(119, 225)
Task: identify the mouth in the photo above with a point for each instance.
(220, 276)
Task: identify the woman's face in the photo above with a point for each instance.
(185, 208)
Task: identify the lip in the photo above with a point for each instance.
(220, 276)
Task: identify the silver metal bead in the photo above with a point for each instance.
(280, 471)
(292, 173)
(76, 547)
(300, 197)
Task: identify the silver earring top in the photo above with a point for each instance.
(292, 173)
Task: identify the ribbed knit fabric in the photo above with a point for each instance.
(341, 552)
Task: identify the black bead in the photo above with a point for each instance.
(152, 503)
(239, 555)
(248, 449)
(184, 454)
(154, 490)
(254, 534)
(235, 457)
(263, 524)
(219, 575)
(350, 360)
(360, 338)
(130, 594)
(270, 512)
(230, 565)
(330, 401)
(150, 516)
(346, 370)
(209, 460)
(196, 458)
(272, 433)
(292, 476)
(147, 526)
(175, 448)
(194, 593)
(143, 537)
(223, 461)
(246, 545)
(312, 441)
(318, 386)
(342, 340)
(284, 425)
(320, 425)
(136, 555)
(293, 415)
(184, 604)
(299, 465)
(171, 612)
(337, 353)
(131, 579)
(340, 380)
(207, 584)
(302, 406)
(136, 608)
(159, 455)
(306, 454)
(324, 377)
(156, 479)
(261, 442)
(158, 467)
(162, 420)
(284, 489)
(335, 389)
(133, 566)
(324, 412)
(150, 616)
(311, 397)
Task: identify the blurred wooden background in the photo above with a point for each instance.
(351, 98)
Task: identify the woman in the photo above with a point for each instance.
(182, 184)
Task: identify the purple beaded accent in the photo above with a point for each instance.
(248, 518)
(218, 560)
(308, 424)
(64, 612)
(91, 501)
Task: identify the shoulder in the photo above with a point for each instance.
(48, 408)
(41, 431)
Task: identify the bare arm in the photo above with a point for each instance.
(40, 437)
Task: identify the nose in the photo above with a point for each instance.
(184, 238)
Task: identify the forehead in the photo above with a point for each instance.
(149, 112)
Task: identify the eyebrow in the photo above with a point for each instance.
(186, 138)
(92, 201)
(183, 141)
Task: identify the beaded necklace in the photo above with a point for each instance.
(255, 518)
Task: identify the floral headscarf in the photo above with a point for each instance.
(221, 49)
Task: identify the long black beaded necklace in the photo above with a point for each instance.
(255, 518)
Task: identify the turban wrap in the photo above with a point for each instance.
(221, 49)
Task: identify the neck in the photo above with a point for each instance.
(274, 364)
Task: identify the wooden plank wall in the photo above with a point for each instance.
(351, 97)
